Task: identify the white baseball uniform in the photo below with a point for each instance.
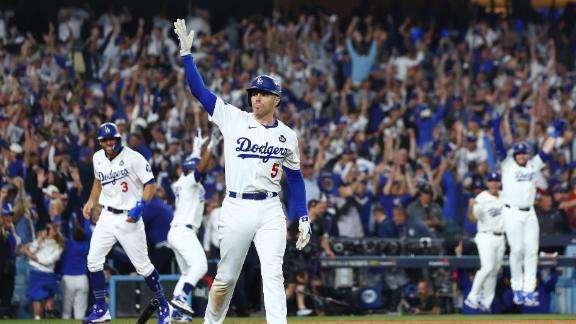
(520, 221)
(491, 246)
(185, 224)
(255, 155)
(122, 180)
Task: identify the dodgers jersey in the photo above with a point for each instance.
(519, 183)
(254, 154)
(122, 178)
(488, 211)
(189, 201)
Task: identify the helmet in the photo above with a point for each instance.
(190, 164)
(493, 176)
(265, 83)
(520, 148)
(110, 130)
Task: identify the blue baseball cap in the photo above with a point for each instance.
(520, 148)
(265, 83)
(493, 176)
(7, 209)
(190, 164)
(477, 184)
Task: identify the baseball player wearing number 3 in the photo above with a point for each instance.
(123, 185)
(258, 149)
(519, 175)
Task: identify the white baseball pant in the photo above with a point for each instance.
(523, 235)
(241, 222)
(491, 249)
(74, 296)
(112, 228)
(189, 254)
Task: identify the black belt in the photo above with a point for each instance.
(190, 226)
(525, 209)
(253, 195)
(493, 233)
(116, 211)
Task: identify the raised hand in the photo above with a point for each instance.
(198, 143)
(184, 37)
(215, 138)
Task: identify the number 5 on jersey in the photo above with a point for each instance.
(275, 170)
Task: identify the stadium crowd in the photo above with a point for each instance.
(398, 122)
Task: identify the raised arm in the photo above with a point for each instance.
(498, 142)
(195, 82)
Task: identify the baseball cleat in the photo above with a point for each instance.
(518, 297)
(472, 303)
(484, 308)
(179, 317)
(98, 315)
(181, 304)
(531, 299)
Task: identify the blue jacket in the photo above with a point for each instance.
(74, 258)
(157, 217)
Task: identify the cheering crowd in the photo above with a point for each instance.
(398, 122)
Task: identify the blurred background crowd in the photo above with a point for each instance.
(398, 118)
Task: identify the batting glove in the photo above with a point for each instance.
(305, 231)
(198, 142)
(136, 212)
(215, 138)
(184, 37)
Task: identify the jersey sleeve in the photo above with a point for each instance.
(506, 162)
(478, 208)
(538, 162)
(94, 167)
(142, 168)
(225, 116)
(292, 158)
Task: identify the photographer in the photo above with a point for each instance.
(426, 210)
(425, 302)
(302, 268)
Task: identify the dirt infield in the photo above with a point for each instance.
(486, 321)
(413, 320)
(392, 321)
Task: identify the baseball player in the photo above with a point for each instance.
(123, 185)
(258, 149)
(519, 173)
(487, 210)
(182, 238)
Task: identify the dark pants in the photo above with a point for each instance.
(160, 258)
(6, 291)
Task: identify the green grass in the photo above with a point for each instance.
(375, 318)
